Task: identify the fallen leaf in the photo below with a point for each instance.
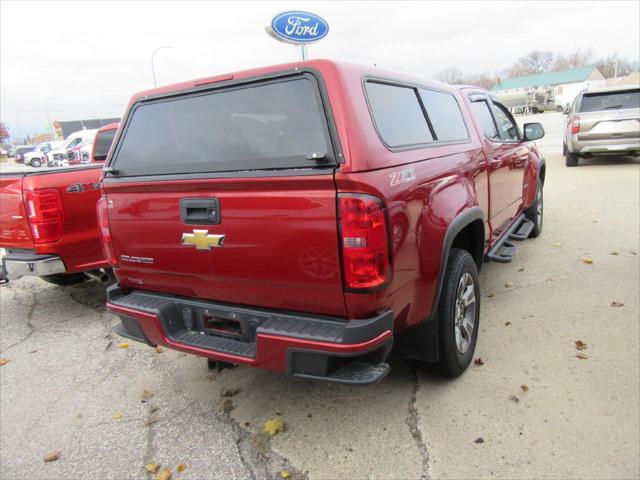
(580, 345)
(581, 356)
(556, 244)
(284, 474)
(123, 345)
(479, 440)
(521, 269)
(147, 394)
(158, 349)
(247, 424)
(617, 304)
(479, 361)
(33, 351)
(151, 420)
(633, 253)
(229, 392)
(490, 295)
(118, 416)
(525, 388)
(587, 260)
(3, 361)
(508, 284)
(52, 456)
(152, 467)
(225, 405)
(506, 324)
(181, 467)
(164, 474)
(513, 398)
(273, 427)
(153, 409)
(615, 253)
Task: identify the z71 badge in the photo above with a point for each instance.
(403, 176)
(82, 187)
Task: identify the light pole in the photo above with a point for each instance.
(46, 110)
(153, 68)
(19, 127)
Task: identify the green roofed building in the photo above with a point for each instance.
(547, 91)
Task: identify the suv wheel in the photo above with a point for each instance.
(571, 159)
(535, 212)
(458, 314)
(36, 162)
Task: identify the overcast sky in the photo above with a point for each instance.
(85, 59)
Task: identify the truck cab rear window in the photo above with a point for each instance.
(103, 143)
(271, 125)
(597, 102)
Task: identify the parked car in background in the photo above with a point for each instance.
(74, 154)
(21, 150)
(48, 225)
(38, 156)
(59, 157)
(304, 218)
(602, 122)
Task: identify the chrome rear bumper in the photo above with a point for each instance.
(16, 265)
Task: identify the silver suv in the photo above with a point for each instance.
(603, 122)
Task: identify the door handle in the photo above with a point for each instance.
(200, 211)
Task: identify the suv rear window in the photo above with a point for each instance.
(268, 125)
(597, 102)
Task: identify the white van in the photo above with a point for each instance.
(58, 157)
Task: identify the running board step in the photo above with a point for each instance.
(523, 231)
(504, 253)
(355, 373)
(504, 250)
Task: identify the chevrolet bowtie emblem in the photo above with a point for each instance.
(202, 240)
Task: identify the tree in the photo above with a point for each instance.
(4, 133)
(450, 75)
(578, 58)
(615, 65)
(537, 61)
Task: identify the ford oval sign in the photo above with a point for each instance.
(298, 27)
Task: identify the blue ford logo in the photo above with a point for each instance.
(298, 27)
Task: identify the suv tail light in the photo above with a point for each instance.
(105, 231)
(365, 241)
(45, 214)
(575, 125)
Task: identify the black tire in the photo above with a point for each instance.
(564, 149)
(64, 279)
(532, 213)
(36, 162)
(571, 159)
(452, 362)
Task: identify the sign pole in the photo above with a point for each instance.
(304, 53)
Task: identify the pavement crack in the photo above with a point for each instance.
(32, 307)
(414, 429)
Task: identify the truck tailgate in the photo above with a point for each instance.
(14, 227)
(280, 246)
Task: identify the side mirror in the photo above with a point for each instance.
(533, 131)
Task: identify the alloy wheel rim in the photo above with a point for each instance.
(465, 312)
(539, 207)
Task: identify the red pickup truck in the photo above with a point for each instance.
(48, 223)
(302, 218)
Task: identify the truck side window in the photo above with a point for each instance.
(506, 125)
(485, 119)
(444, 112)
(397, 115)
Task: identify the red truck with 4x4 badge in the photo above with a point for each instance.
(48, 224)
(302, 218)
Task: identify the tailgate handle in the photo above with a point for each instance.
(200, 211)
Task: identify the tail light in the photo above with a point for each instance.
(575, 125)
(105, 231)
(365, 241)
(45, 214)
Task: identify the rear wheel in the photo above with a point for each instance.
(63, 279)
(458, 314)
(571, 159)
(36, 162)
